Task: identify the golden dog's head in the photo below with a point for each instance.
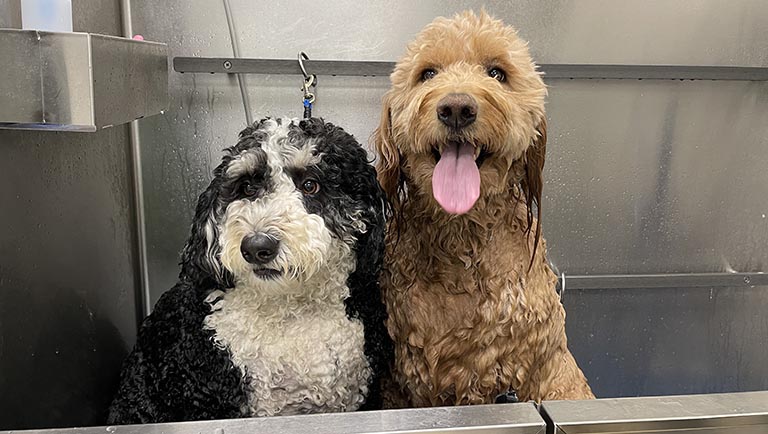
(464, 118)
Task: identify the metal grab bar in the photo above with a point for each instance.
(228, 65)
(690, 280)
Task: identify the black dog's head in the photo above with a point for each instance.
(294, 206)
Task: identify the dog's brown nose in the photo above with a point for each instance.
(457, 110)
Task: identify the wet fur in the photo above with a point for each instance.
(472, 305)
(224, 344)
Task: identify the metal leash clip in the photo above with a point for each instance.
(310, 80)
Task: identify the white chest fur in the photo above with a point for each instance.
(298, 359)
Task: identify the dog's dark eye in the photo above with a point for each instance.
(310, 186)
(248, 189)
(498, 74)
(428, 74)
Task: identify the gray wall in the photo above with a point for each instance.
(642, 176)
(68, 289)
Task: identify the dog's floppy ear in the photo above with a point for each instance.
(365, 298)
(532, 182)
(388, 165)
(200, 258)
(370, 248)
(373, 212)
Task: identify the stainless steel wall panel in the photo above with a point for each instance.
(179, 149)
(97, 16)
(10, 14)
(650, 176)
(130, 79)
(67, 300)
(67, 73)
(694, 32)
(24, 102)
(669, 341)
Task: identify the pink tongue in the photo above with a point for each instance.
(456, 179)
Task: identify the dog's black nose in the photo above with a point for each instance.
(259, 248)
(457, 110)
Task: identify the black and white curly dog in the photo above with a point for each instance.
(277, 310)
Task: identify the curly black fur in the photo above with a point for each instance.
(348, 163)
(175, 372)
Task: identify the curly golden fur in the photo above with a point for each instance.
(472, 304)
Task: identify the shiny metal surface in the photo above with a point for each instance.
(67, 275)
(693, 32)
(81, 76)
(242, 81)
(10, 14)
(135, 73)
(486, 419)
(656, 177)
(368, 68)
(690, 280)
(25, 99)
(179, 149)
(669, 341)
(737, 413)
(143, 297)
(97, 16)
(66, 79)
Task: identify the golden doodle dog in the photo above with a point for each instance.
(472, 304)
